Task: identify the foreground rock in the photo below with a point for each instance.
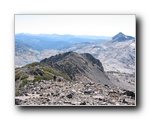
(49, 92)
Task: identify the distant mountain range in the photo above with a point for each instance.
(116, 53)
(35, 47)
(41, 42)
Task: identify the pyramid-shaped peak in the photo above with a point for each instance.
(120, 34)
(121, 37)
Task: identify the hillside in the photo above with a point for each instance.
(25, 54)
(70, 65)
(83, 67)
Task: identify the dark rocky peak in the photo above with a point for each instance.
(73, 56)
(83, 67)
(120, 37)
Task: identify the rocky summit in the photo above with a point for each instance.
(68, 79)
(64, 93)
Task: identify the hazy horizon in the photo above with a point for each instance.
(70, 34)
(87, 25)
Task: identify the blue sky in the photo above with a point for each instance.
(99, 25)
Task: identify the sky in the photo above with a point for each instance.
(98, 25)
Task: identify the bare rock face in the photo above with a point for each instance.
(94, 61)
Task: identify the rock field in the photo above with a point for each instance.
(65, 93)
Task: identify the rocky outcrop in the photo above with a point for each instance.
(91, 59)
(71, 93)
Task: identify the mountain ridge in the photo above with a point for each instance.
(55, 41)
(83, 67)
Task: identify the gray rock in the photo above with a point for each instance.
(129, 101)
(83, 103)
(100, 97)
(69, 96)
(112, 102)
(18, 102)
(129, 93)
(87, 92)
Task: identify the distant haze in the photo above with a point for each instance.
(99, 25)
